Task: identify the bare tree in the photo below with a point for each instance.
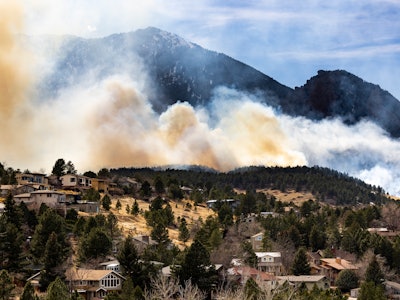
(163, 288)
(190, 292)
(391, 215)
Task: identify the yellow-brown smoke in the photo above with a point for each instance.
(111, 124)
(15, 81)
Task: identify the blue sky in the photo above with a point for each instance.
(287, 40)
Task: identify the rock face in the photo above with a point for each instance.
(177, 70)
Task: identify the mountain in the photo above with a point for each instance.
(177, 70)
(341, 94)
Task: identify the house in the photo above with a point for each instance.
(214, 203)
(242, 273)
(330, 267)
(308, 280)
(256, 241)
(392, 289)
(314, 258)
(32, 178)
(269, 262)
(34, 200)
(93, 284)
(113, 265)
(74, 181)
(101, 185)
(6, 189)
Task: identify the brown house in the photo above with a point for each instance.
(330, 267)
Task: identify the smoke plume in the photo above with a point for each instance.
(15, 83)
(110, 123)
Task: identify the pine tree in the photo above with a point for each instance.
(197, 267)
(49, 222)
(29, 292)
(53, 257)
(374, 273)
(128, 258)
(57, 290)
(6, 285)
(106, 202)
(96, 244)
(300, 264)
(135, 208)
(184, 233)
(370, 291)
(118, 205)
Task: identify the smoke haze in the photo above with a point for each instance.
(110, 123)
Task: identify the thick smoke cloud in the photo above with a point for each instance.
(15, 83)
(110, 123)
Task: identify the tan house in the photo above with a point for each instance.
(269, 262)
(93, 284)
(330, 267)
(34, 200)
(256, 241)
(308, 280)
(74, 181)
(32, 178)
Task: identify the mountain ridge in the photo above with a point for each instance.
(179, 70)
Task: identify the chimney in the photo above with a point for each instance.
(338, 260)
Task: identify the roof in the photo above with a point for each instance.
(392, 284)
(252, 272)
(88, 274)
(257, 234)
(47, 192)
(25, 195)
(302, 278)
(262, 254)
(338, 264)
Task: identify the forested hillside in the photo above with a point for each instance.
(327, 185)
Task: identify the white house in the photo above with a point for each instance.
(270, 262)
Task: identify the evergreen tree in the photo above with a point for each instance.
(11, 211)
(118, 205)
(128, 258)
(29, 292)
(197, 267)
(135, 208)
(374, 273)
(159, 185)
(6, 285)
(370, 291)
(300, 264)
(53, 257)
(112, 225)
(347, 280)
(145, 189)
(49, 222)
(59, 167)
(250, 258)
(184, 233)
(97, 244)
(57, 290)
(159, 233)
(11, 240)
(252, 290)
(106, 202)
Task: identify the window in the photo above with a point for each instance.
(72, 179)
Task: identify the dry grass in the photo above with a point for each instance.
(136, 225)
(289, 196)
